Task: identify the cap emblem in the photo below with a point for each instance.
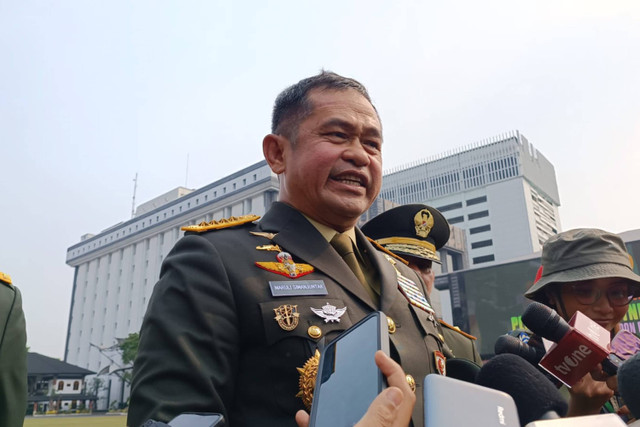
(423, 221)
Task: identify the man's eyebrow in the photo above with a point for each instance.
(368, 130)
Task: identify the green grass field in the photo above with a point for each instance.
(71, 421)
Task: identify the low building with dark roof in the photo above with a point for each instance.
(54, 385)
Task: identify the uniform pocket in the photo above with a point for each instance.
(309, 318)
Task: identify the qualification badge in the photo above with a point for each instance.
(441, 364)
(287, 316)
(285, 266)
(330, 313)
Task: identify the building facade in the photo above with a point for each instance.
(116, 269)
(501, 191)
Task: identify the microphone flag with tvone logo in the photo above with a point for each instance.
(578, 352)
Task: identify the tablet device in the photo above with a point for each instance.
(348, 378)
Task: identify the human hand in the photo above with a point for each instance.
(587, 396)
(599, 374)
(392, 407)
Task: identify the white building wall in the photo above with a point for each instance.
(521, 207)
(117, 269)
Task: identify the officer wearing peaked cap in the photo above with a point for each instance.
(13, 355)
(415, 232)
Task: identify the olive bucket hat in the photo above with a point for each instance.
(582, 254)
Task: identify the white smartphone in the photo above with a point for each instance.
(348, 378)
(481, 406)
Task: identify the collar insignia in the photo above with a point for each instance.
(423, 221)
(287, 316)
(286, 267)
(330, 313)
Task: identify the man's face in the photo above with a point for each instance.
(333, 171)
(423, 268)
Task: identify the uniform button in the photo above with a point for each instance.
(391, 324)
(411, 382)
(314, 332)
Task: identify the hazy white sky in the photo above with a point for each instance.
(92, 93)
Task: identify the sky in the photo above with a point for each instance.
(180, 93)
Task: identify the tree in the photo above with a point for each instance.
(129, 348)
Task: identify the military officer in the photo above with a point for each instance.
(13, 355)
(241, 307)
(415, 232)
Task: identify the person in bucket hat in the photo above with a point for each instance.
(587, 270)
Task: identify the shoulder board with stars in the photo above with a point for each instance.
(4, 278)
(457, 329)
(387, 251)
(220, 224)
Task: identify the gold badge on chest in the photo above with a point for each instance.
(286, 267)
(287, 316)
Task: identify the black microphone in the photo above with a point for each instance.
(579, 347)
(545, 321)
(628, 381)
(535, 396)
(513, 345)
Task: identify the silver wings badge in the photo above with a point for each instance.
(330, 313)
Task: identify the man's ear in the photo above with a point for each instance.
(273, 148)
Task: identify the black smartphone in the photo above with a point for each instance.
(348, 378)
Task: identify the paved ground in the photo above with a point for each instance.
(115, 420)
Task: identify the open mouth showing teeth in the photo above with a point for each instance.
(350, 180)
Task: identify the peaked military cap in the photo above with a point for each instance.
(416, 230)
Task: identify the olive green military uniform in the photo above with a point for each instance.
(13, 355)
(462, 345)
(225, 332)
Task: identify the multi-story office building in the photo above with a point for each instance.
(502, 191)
(116, 269)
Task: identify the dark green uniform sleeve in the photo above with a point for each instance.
(13, 357)
(187, 357)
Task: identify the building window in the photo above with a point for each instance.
(456, 219)
(481, 244)
(206, 197)
(481, 259)
(234, 185)
(482, 228)
(255, 177)
(477, 215)
(476, 200)
(60, 385)
(450, 207)
(76, 385)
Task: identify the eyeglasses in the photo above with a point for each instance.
(618, 295)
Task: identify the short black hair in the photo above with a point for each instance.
(293, 105)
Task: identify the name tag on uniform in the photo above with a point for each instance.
(299, 287)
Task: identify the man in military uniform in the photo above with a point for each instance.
(242, 306)
(415, 233)
(13, 355)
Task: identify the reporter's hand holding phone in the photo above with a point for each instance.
(392, 407)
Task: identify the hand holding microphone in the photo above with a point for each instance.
(580, 345)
